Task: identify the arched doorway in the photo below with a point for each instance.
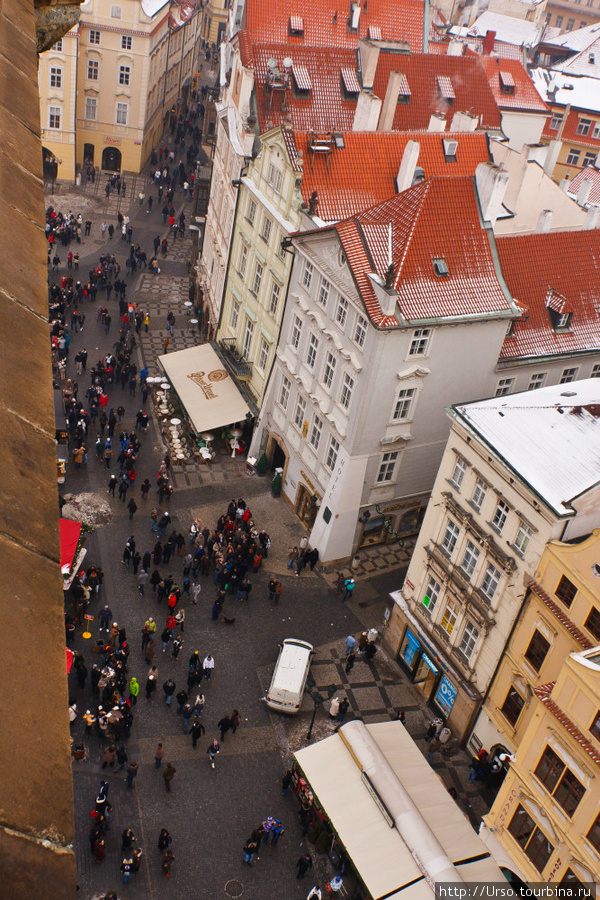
(306, 506)
(111, 159)
(50, 165)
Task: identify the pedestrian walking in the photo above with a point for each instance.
(167, 861)
(151, 680)
(236, 721)
(208, 666)
(164, 840)
(349, 585)
(303, 865)
(224, 725)
(132, 770)
(127, 839)
(213, 751)
(350, 660)
(286, 782)
(196, 731)
(168, 775)
(134, 689)
(158, 755)
(132, 508)
(292, 557)
(344, 706)
(350, 643)
(169, 690)
(250, 848)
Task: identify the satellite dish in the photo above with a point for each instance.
(272, 63)
(287, 63)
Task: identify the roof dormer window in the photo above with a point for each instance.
(404, 90)
(296, 25)
(507, 83)
(450, 149)
(558, 310)
(440, 267)
(302, 80)
(445, 89)
(350, 84)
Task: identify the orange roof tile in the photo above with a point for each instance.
(561, 616)
(543, 694)
(363, 172)
(594, 176)
(525, 95)
(566, 263)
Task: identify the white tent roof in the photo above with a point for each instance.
(206, 389)
(397, 769)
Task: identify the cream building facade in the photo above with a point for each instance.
(57, 79)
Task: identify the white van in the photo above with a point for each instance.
(289, 678)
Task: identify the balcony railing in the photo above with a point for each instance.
(239, 366)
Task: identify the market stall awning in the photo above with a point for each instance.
(69, 538)
(205, 388)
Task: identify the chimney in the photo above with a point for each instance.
(354, 16)
(544, 222)
(491, 182)
(388, 110)
(535, 153)
(406, 171)
(455, 48)
(584, 191)
(554, 148)
(488, 42)
(463, 121)
(386, 297)
(565, 183)
(437, 122)
(592, 217)
(369, 57)
(366, 115)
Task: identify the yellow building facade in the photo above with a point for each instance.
(214, 21)
(57, 79)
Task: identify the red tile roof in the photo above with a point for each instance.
(525, 96)
(594, 176)
(566, 263)
(561, 616)
(437, 218)
(326, 22)
(363, 172)
(543, 693)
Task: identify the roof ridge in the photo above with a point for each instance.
(412, 231)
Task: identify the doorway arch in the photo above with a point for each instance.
(50, 165)
(111, 159)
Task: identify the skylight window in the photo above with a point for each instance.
(440, 267)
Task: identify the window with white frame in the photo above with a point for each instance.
(420, 342)
(281, 252)
(504, 386)
(360, 331)
(115, 12)
(323, 292)
(124, 74)
(263, 356)
(94, 37)
(595, 373)
(274, 300)
(573, 156)
(93, 70)
(387, 467)
(332, 453)
(122, 113)
(491, 580)
(235, 314)
(243, 261)
(330, 364)
(460, 467)
(296, 332)
(315, 432)
(432, 594)
(266, 229)
(126, 42)
(479, 492)
(404, 402)
(55, 77)
(347, 390)
(58, 46)
(468, 640)
(284, 392)
(91, 108)
(500, 515)
(342, 312)
(299, 414)
(524, 535)
(307, 274)
(469, 561)
(274, 178)
(258, 274)
(54, 114)
(449, 616)
(251, 215)
(248, 331)
(568, 375)
(536, 381)
(451, 536)
(311, 355)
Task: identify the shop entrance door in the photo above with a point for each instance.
(306, 506)
(111, 159)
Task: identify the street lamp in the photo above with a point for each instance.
(318, 700)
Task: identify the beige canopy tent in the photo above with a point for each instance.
(205, 388)
(399, 826)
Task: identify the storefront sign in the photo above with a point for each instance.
(111, 140)
(429, 663)
(413, 645)
(445, 695)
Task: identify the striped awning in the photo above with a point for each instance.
(445, 87)
(351, 82)
(301, 77)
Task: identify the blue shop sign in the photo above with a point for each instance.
(429, 663)
(413, 645)
(445, 695)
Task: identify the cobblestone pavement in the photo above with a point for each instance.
(210, 813)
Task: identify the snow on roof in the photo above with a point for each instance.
(586, 62)
(579, 92)
(151, 7)
(574, 40)
(549, 437)
(499, 75)
(512, 31)
(589, 174)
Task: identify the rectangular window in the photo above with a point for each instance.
(126, 42)
(55, 77)
(93, 70)
(536, 381)
(274, 301)
(360, 332)
(566, 591)
(263, 356)
(595, 373)
(266, 230)
(490, 582)
(332, 453)
(274, 178)
(573, 157)
(568, 375)
(58, 46)
(470, 559)
(243, 261)
(432, 594)
(315, 432)
(524, 535)
(124, 73)
(122, 112)
(512, 706)
(313, 346)
(387, 467)
(296, 332)
(403, 405)
(555, 121)
(284, 392)
(584, 126)
(329, 372)
(342, 312)
(258, 274)
(501, 515)
(505, 386)
(449, 617)
(91, 105)
(347, 389)
(419, 342)
(559, 21)
(570, 24)
(247, 338)
(54, 116)
(595, 726)
(479, 493)
(324, 292)
(451, 536)
(590, 159)
(593, 834)
(537, 651)
(299, 414)
(235, 314)
(592, 623)
(251, 212)
(529, 837)
(307, 275)
(468, 640)
(94, 37)
(460, 467)
(566, 789)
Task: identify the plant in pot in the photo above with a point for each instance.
(276, 485)
(262, 465)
